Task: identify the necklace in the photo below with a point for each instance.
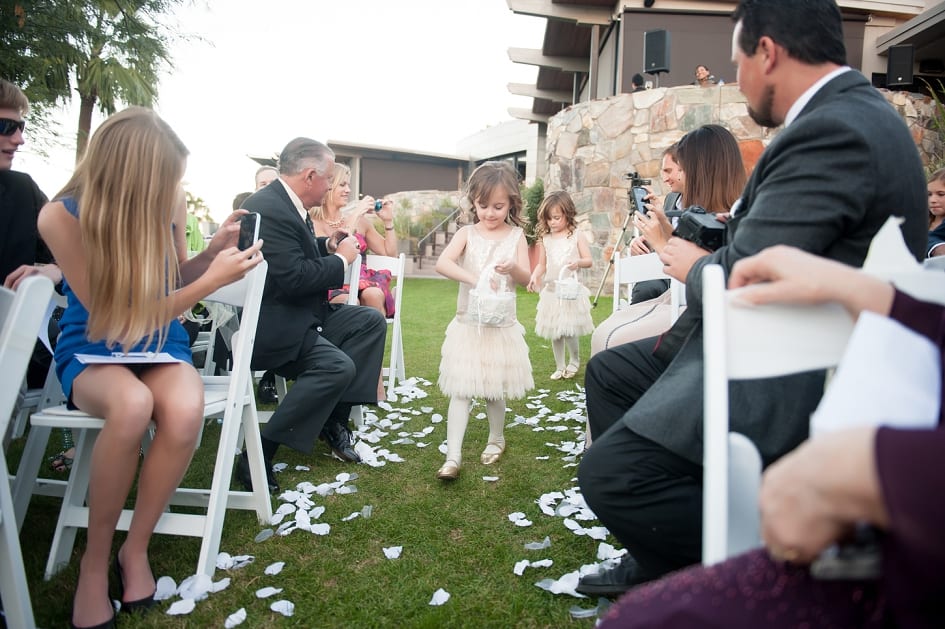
(335, 224)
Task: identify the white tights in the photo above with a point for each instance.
(457, 419)
(558, 347)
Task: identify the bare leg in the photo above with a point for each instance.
(178, 415)
(115, 393)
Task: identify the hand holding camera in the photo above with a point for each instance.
(701, 228)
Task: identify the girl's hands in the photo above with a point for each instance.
(534, 283)
(231, 264)
(227, 234)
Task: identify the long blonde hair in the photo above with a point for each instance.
(127, 187)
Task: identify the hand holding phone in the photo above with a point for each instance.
(249, 231)
(639, 194)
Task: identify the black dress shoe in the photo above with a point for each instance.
(246, 479)
(614, 581)
(339, 440)
(130, 607)
(266, 391)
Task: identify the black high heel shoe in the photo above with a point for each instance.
(130, 607)
(108, 624)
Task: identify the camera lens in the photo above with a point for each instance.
(378, 205)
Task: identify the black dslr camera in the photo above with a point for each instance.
(699, 227)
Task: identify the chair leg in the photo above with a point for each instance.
(13, 586)
(73, 503)
(28, 471)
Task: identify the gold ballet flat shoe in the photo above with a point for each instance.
(557, 375)
(492, 453)
(448, 471)
(570, 371)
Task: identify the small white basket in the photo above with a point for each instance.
(567, 287)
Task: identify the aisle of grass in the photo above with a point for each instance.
(454, 536)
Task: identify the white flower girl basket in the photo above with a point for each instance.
(491, 307)
(567, 286)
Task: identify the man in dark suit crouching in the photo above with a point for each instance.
(843, 163)
(333, 352)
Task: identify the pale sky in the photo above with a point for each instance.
(411, 74)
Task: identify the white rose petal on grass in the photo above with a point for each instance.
(439, 597)
(565, 585)
(490, 479)
(278, 467)
(539, 545)
(351, 516)
(195, 587)
(286, 608)
(266, 592)
(393, 552)
(275, 568)
(166, 587)
(219, 586)
(520, 566)
(320, 529)
(181, 607)
(436, 418)
(517, 515)
(235, 619)
(263, 535)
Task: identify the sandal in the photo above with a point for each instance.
(61, 462)
(557, 375)
(570, 371)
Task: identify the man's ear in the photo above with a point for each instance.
(771, 52)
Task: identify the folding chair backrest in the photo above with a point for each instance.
(21, 315)
(742, 343)
(628, 270)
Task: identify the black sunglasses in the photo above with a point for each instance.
(8, 126)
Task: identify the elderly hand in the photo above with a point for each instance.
(349, 247)
(638, 246)
(679, 255)
(227, 235)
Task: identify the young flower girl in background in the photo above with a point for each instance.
(564, 310)
(484, 354)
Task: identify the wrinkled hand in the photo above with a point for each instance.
(679, 255)
(227, 235)
(349, 247)
(638, 246)
(799, 513)
(23, 271)
(655, 227)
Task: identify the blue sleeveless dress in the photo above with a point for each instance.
(73, 339)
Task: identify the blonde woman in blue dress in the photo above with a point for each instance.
(562, 321)
(484, 354)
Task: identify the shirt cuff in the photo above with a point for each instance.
(344, 260)
(933, 248)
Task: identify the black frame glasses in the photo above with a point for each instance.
(8, 126)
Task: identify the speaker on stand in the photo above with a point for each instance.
(656, 52)
(899, 63)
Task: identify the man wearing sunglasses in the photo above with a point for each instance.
(22, 253)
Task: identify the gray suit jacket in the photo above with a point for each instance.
(825, 184)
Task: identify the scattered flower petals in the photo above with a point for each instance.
(166, 588)
(286, 608)
(219, 586)
(439, 597)
(490, 479)
(263, 535)
(181, 607)
(393, 552)
(546, 543)
(235, 619)
(275, 568)
(266, 592)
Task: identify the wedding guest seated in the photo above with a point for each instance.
(936, 214)
(815, 496)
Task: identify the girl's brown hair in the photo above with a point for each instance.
(484, 181)
(561, 200)
(715, 174)
(939, 176)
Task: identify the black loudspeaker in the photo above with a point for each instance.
(899, 65)
(656, 51)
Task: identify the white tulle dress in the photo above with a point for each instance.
(557, 318)
(484, 361)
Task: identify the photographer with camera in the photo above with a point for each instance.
(714, 178)
(643, 474)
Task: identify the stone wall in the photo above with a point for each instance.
(593, 145)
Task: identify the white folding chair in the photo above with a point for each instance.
(395, 371)
(628, 270)
(230, 396)
(21, 314)
(743, 343)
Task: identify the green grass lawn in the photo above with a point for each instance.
(455, 536)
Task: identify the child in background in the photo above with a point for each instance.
(484, 359)
(936, 214)
(562, 321)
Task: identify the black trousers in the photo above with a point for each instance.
(649, 498)
(335, 369)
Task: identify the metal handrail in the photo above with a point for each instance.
(418, 257)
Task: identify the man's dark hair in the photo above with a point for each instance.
(637, 80)
(810, 30)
